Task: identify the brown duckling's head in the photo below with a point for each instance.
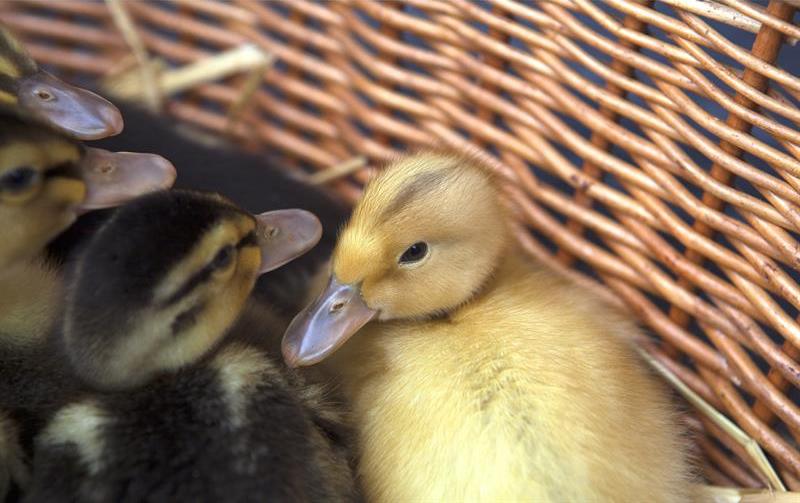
(165, 277)
(34, 94)
(46, 180)
(424, 238)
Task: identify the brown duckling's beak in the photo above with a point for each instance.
(284, 235)
(327, 323)
(76, 112)
(113, 178)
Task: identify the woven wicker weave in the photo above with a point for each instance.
(654, 146)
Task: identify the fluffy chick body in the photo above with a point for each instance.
(527, 393)
(233, 427)
(483, 376)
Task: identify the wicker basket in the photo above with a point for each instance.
(652, 146)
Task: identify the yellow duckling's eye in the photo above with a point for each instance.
(414, 253)
(19, 180)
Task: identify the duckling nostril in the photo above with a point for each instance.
(105, 168)
(270, 232)
(43, 94)
(337, 307)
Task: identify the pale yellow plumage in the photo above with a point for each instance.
(525, 389)
(30, 290)
(33, 215)
(30, 296)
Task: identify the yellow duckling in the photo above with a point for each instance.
(477, 374)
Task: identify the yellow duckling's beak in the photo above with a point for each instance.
(113, 178)
(327, 323)
(284, 235)
(79, 113)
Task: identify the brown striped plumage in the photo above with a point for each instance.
(179, 364)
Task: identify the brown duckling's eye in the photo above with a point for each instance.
(414, 253)
(223, 258)
(18, 179)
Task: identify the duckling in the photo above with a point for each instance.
(254, 182)
(474, 373)
(45, 180)
(31, 93)
(186, 408)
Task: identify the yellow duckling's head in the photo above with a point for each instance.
(427, 234)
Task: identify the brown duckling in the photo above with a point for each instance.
(475, 373)
(188, 403)
(33, 94)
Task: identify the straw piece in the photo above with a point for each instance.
(715, 494)
(713, 10)
(792, 32)
(221, 9)
(750, 445)
(125, 24)
(125, 80)
(244, 58)
(338, 171)
(248, 90)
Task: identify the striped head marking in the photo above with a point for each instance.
(165, 278)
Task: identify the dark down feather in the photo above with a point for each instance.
(236, 425)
